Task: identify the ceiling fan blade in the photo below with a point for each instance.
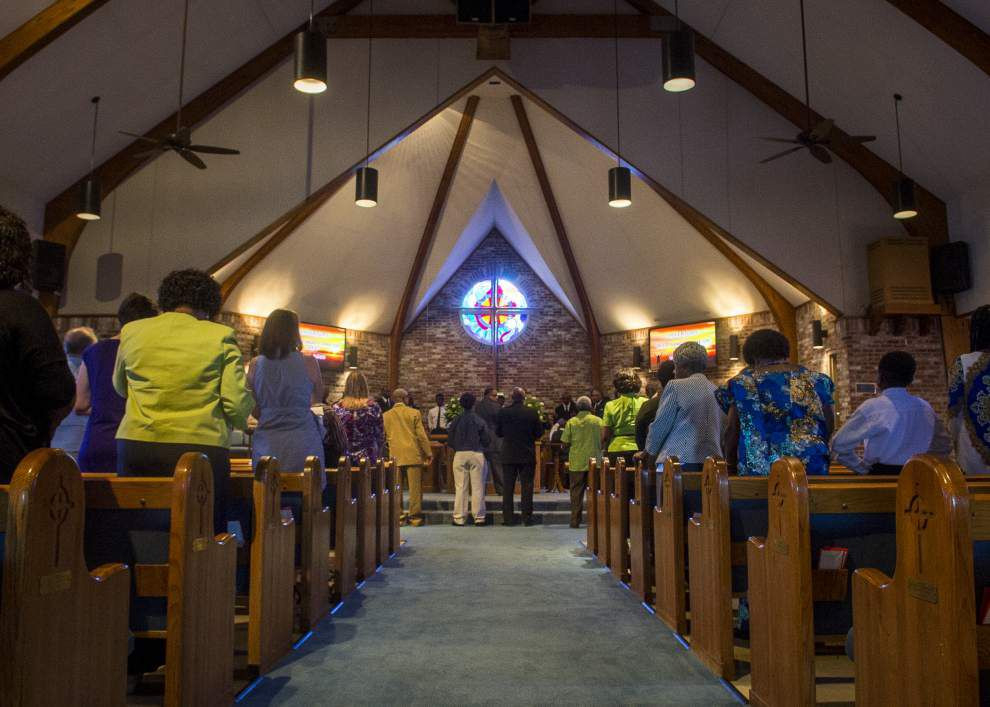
(191, 157)
(209, 149)
(138, 137)
(781, 154)
(820, 154)
(822, 130)
(782, 139)
(861, 138)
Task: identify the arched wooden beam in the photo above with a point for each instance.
(282, 227)
(61, 224)
(41, 30)
(931, 222)
(426, 240)
(594, 336)
(951, 27)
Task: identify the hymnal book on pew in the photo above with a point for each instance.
(832, 558)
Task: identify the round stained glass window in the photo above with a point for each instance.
(493, 318)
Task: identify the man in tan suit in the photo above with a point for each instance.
(410, 447)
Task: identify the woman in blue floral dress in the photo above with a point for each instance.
(969, 398)
(776, 408)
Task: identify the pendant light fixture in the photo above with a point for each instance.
(619, 182)
(311, 59)
(905, 206)
(366, 178)
(678, 57)
(89, 190)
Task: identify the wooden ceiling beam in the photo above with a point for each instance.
(447, 27)
(932, 221)
(951, 27)
(426, 240)
(41, 30)
(591, 324)
(61, 224)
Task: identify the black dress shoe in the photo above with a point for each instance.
(528, 522)
(575, 525)
(510, 521)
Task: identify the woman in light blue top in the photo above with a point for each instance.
(285, 384)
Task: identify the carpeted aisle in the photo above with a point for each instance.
(490, 615)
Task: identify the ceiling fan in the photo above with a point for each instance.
(815, 137)
(180, 141)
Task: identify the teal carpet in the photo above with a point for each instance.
(490, 616)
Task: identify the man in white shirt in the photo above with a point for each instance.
(893, 426)
(436, 421)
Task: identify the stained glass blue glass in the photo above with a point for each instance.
(486, 309)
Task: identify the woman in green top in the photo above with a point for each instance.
(619, 432)
(183, 378)
(583, 435)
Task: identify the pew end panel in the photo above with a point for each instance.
(200, 645)
(345, 521)
(668, 547)
(618, 512)
(710, 582)
(592, 502)
(364, 492)
(602, 513)
(920, 624)
(381, 491)
(271, 598)
(314, 592)
(782, 640)
(63, 629)
(641, 533)
(393, 478)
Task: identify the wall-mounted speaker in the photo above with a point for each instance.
(637, 357)
(486, 12)
(352, 357)
(109, 276)
(950, 268)
(47, 266)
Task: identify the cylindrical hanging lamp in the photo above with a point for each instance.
(678, 61)
(619, 187)
(366, 187)
(89, 190)
(905, 205)
(311, 59)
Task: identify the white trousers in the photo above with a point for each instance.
(469, 469)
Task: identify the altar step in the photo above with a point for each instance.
(548, 509)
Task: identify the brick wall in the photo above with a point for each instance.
(550, 357)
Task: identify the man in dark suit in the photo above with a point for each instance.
(565, 410)
(487, 409)
(518, 427)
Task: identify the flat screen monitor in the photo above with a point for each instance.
(324, 343)
(663, 341)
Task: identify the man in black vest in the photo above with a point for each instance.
(519, 427)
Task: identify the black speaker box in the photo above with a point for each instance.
(511, 12)
(47, 266)
(637, 357)
(352, 356)
(474, 11)
(950, 268)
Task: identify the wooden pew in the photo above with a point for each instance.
(382, 495)
(602, 490)
(591, 503)
(198, 579)
(367, 509)
(63, 629)
(271, 598)
(916, 638)
(669, 541)
(314, 542)
(345, 524)
(783, 585)
(641, 508)
(393, 479)
(618, 519)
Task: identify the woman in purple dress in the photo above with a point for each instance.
(361, 419)
(95, 396)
